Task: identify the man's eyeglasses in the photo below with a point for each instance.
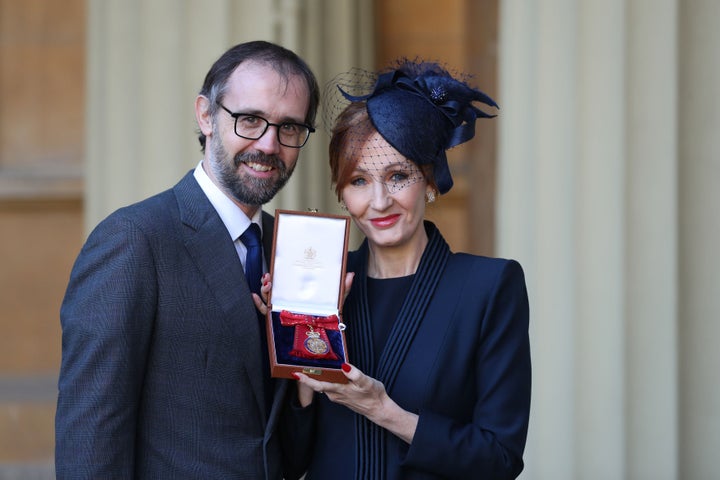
(252, 127)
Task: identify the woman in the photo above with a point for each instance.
(439, 385)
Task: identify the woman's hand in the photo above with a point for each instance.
(366, 396)
(261, 303)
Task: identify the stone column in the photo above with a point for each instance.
(651, 234)
(588, 203)
(699, 237)
(535, 211)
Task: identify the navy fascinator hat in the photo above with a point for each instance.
(420, 109)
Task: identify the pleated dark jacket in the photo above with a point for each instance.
(162, 365)
(458, 355)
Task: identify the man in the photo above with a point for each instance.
(164, 372)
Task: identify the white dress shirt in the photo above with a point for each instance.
(231, 215)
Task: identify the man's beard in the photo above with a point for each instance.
(247, 189)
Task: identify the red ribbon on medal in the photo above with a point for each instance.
(311, 340)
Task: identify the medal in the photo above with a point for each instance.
(314, 344)
(311, 339)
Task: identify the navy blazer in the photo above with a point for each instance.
(458, 355)
(162, 363)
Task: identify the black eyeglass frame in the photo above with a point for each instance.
(237, 115)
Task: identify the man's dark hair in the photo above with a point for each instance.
(282, 60)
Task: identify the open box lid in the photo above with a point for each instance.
(308, 263)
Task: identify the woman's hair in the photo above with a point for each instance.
(283, 61)
(351, 132)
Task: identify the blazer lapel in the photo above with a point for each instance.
(427, 276)
(268, 224)
(415, 304)
(208, 243)
(370, 438)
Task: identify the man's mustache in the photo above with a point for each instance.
(259, 157)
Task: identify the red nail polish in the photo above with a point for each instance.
(295, 375)
(346, 368)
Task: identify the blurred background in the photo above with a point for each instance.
(599, 175)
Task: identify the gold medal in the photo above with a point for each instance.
(314, 344)
(310, 339)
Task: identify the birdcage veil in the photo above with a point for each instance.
(419, 108)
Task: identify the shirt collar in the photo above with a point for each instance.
(234, 219)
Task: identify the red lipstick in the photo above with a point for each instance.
(385, 222)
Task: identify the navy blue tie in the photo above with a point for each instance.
(253, 261)
(253, 272)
